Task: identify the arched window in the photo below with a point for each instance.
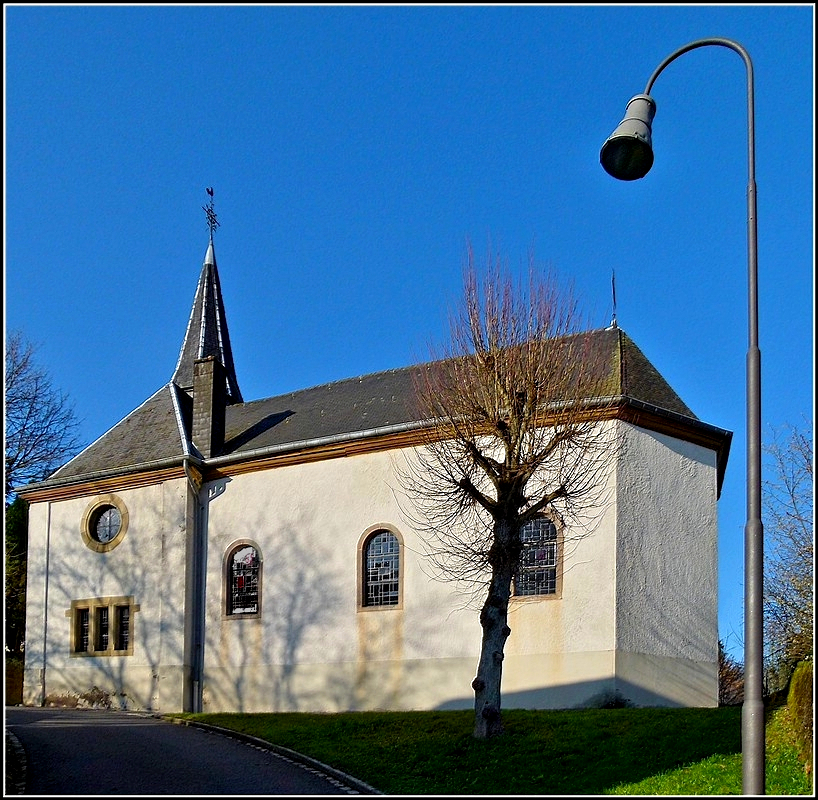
(381, 569)
(243, 580)
(539, 558)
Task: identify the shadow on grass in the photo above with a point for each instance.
(574, 752)
(593, 751)
(541, 752)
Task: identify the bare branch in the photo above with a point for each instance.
(788, 527)
(512, 435)
(40, 425)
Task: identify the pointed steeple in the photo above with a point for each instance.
(207, 333)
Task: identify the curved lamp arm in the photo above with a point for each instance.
(751, 144)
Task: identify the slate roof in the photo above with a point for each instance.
(158, 430)
(150, 435)
(157, 434)
(384, 400)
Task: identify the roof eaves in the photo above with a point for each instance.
(711, 432)
(105, 474)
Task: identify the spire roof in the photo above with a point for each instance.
(207, 333)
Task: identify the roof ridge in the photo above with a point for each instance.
(623, 365)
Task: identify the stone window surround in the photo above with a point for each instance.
(89, 519)
(361, 567)
(92, 604)
(557, 593)
(226, 564)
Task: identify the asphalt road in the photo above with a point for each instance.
(89, 751)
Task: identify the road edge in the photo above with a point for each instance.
(16, 765)
(354, 783)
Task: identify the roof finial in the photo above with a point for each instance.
(613, 293)
(212, 222)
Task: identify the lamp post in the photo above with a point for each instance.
(628, 155)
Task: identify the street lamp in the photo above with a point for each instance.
(628, 155)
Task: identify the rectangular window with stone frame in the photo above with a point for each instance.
(102, 626)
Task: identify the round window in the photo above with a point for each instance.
(104, 523)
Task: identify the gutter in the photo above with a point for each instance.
(320, 441)
(164, 463)
(183, 460)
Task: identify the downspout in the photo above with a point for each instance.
(198, 594)
(45, 604)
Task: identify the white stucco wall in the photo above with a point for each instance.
(314, 649)
(149, 564)
(307, 521)
(666, 570)
(636, 613)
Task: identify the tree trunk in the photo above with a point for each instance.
(494, 621)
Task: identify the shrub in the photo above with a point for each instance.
(799, 702)
(608, 699)
(731, 679)
(14, 681)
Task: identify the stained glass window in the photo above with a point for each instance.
(381, 570)
(243, 579)
(107, 523)
(538, 561)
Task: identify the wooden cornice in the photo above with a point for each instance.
(107, 485)
(625, 409)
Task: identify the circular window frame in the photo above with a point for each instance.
(90, 517)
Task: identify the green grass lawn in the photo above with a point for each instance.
(604, 751)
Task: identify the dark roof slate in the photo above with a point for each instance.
(640, 380)
(350, 407)
(148, 435)
(333, 409)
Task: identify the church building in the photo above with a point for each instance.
(214, 553)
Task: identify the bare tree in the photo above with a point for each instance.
(16, 541)
(514, 435)
(731, 679)
(40, 434)
(40, 426)
(788, 526)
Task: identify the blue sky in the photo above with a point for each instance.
(355, 150)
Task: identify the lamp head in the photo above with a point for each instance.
(627, 154)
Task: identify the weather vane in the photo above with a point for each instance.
(212, 222)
